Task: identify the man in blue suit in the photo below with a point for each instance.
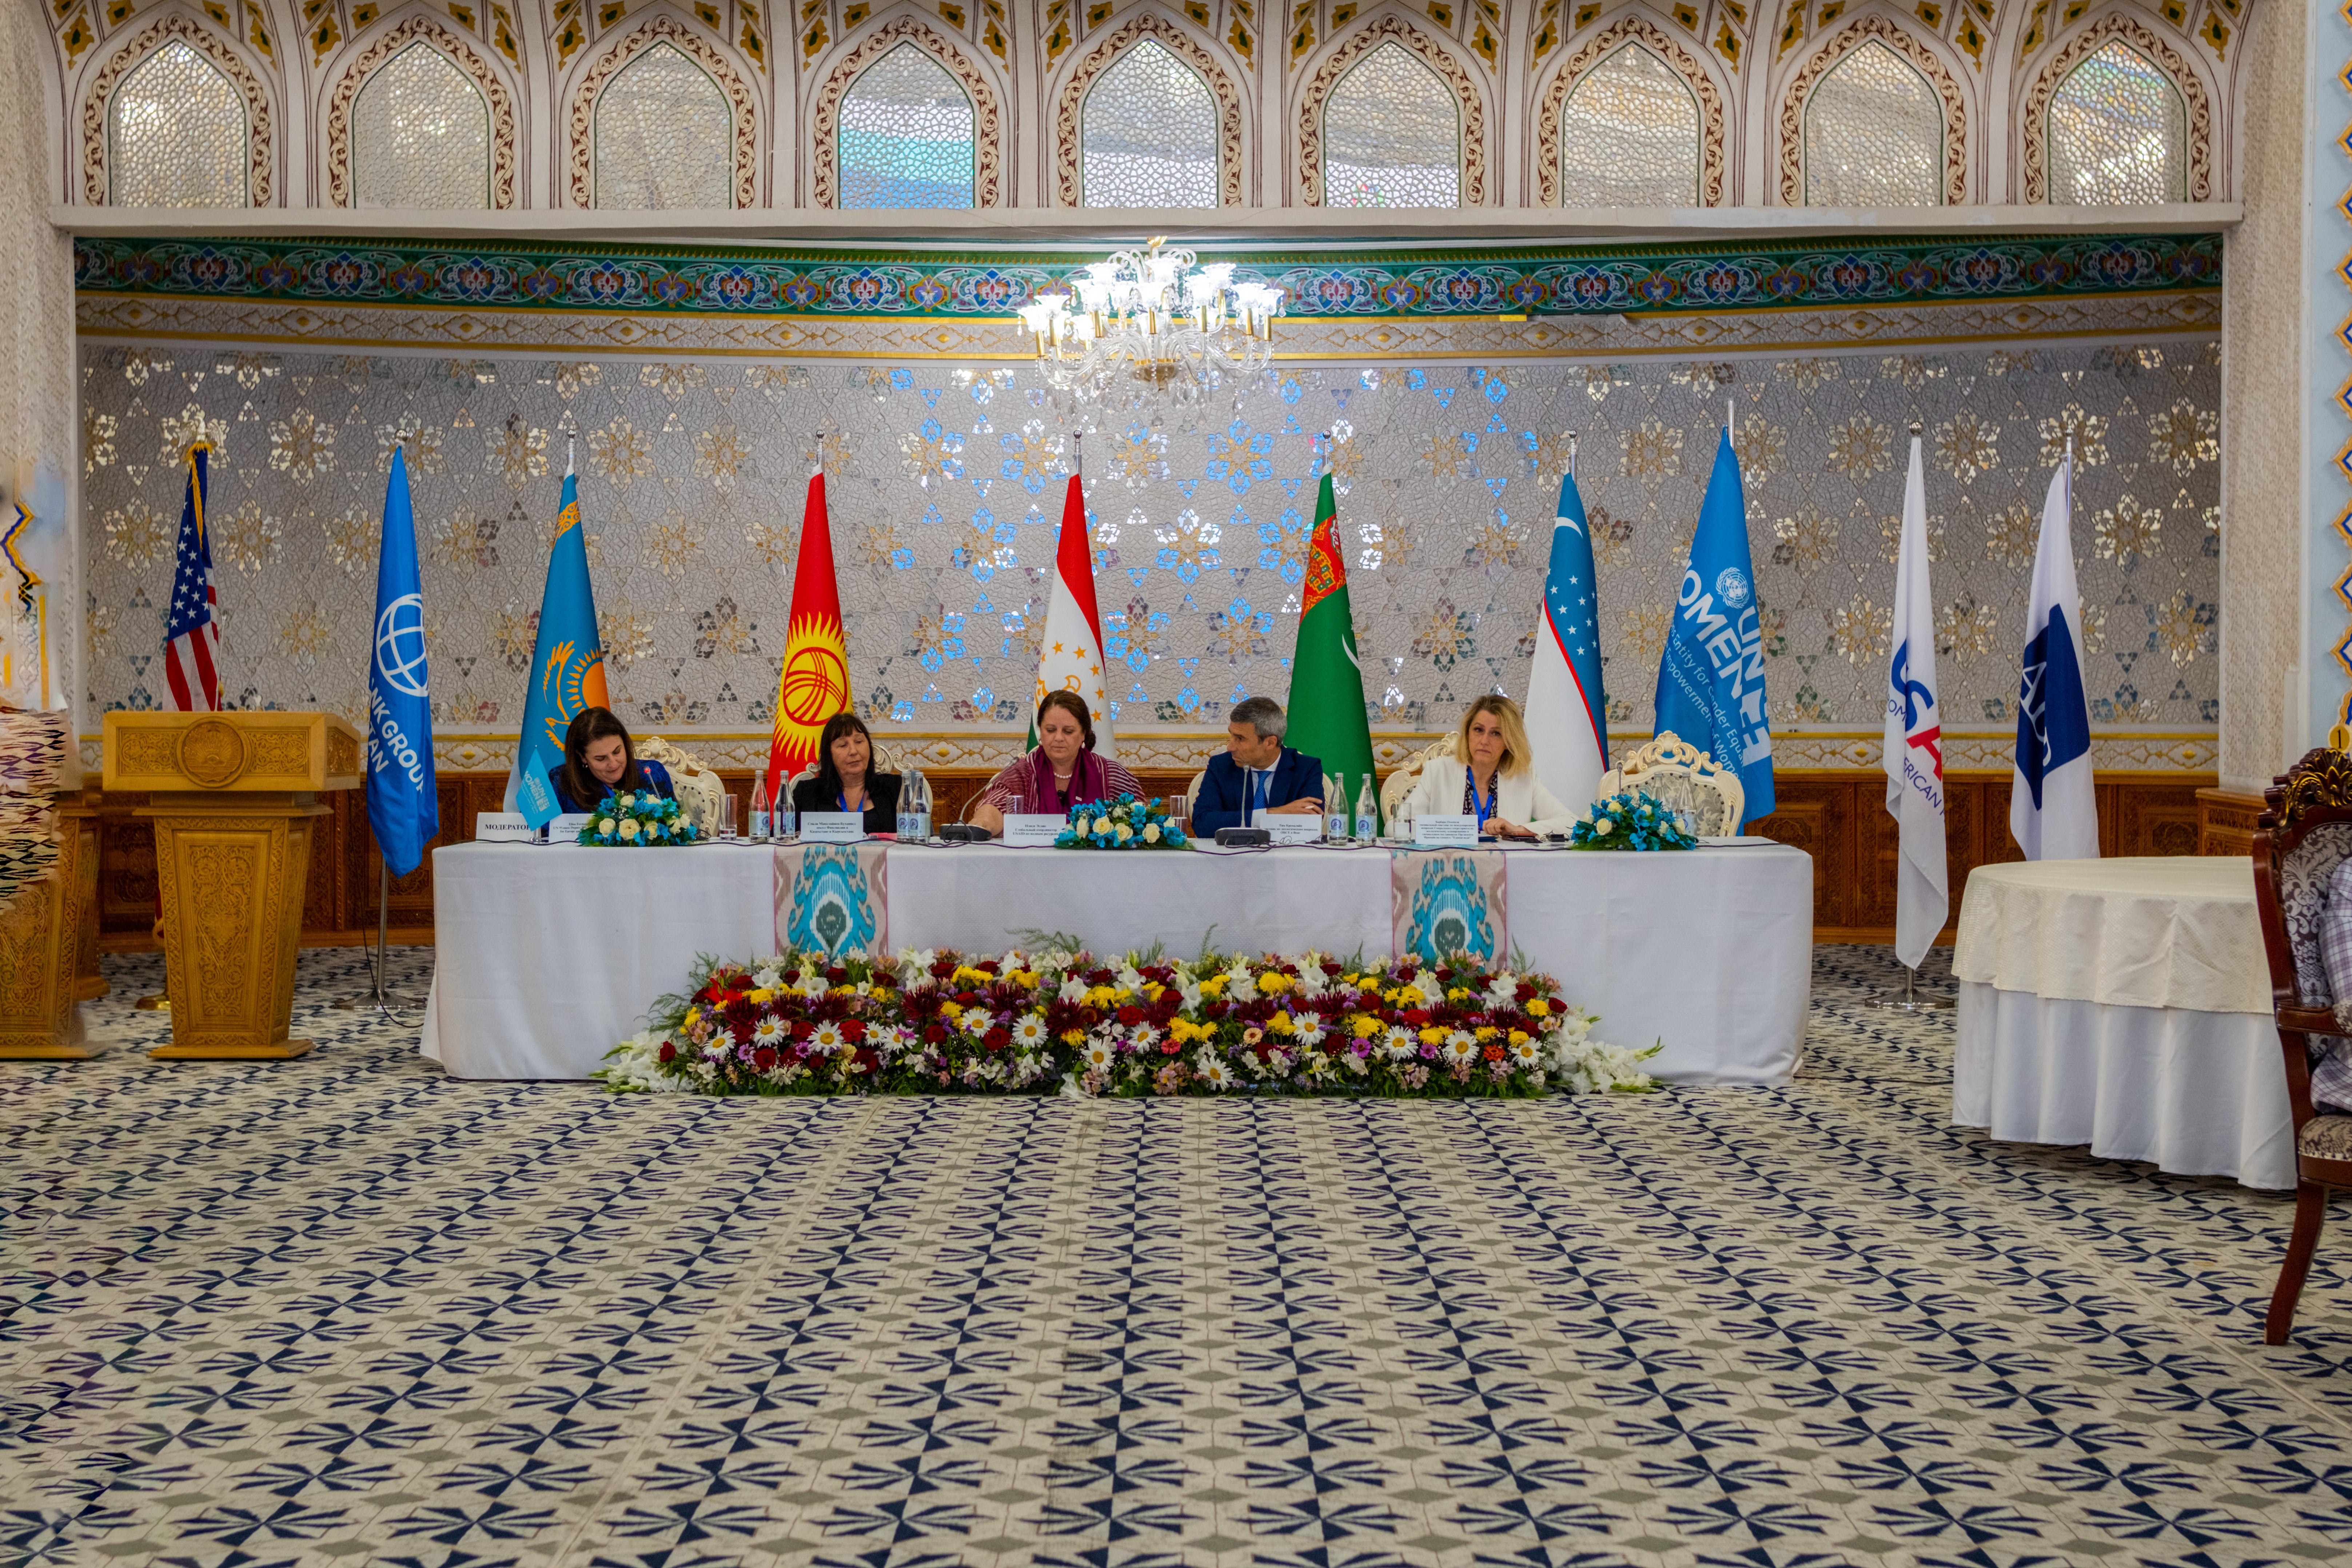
(1257, 773)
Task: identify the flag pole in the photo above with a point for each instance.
(1912, 1000)
(379, 999)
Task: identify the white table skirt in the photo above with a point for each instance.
(2197, 1093)
(547, 956)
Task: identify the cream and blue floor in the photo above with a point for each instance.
(344, 1311)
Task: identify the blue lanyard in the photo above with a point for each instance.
(1483, 808)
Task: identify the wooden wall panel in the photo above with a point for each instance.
(1838, 818)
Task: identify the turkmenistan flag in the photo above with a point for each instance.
(1327, 719)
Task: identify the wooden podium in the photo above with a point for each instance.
(233, 797)
(41, 940)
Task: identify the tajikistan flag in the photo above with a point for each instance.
(1070, 657)
(1567, 712)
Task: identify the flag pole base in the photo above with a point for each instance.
(379, 998)
(1912, 1000)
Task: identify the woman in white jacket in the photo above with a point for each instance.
(1491, 777)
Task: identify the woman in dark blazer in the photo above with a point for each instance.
(600, 759)
(845, 777)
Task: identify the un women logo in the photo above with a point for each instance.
(400, 645)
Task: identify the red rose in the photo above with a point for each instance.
(997, 1038)
(764, 1059)
(1168, 1047)
(1417, 1016)
(935, 1035)
(668, 1052)
(1130, 1017)
(1525, 991)
(986, 966)
(853, 1030)
(835, 975)
(944, 968)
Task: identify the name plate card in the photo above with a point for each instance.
(1290, 827)
(1033, 830)
(565, 829)
(501, 827)
(1445, 831)
(833, 827)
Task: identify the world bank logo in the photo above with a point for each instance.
(400, 645)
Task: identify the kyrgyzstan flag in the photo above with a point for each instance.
(1070, 655)
(813, 684)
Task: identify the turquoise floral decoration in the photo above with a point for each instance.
(636, 820)
(1631, 819)
(1124, 822)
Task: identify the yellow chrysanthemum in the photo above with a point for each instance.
(1539, 1008)
(1280, 1023)
(950, 1010)
(1366, 1026)
(1432, 1036)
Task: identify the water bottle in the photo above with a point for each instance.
(1368, 812)
(1335, 808)
(917, 795)
(785, 824)
(759, 834)
(905, 826)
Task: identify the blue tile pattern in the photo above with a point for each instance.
(344, 1310)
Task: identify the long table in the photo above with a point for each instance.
(548, 956)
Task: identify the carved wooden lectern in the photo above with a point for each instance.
(234, 797)
(41, 938)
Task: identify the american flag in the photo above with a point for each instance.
(190, 635)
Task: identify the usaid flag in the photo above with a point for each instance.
(1567, 710)
(402, 805)
(1912, 744)
(2054, 812)
(1711, 679)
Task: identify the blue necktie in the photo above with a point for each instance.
(1257, 791)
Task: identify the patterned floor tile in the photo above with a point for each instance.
(346, 1310)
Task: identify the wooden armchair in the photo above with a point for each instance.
(2304, 833)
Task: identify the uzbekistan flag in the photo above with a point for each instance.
(1070, 655)
(1567, 711)
(813, 684)
(191, 632)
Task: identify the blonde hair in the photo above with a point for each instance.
(1516, 750)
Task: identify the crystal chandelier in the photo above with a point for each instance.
(1150, 332)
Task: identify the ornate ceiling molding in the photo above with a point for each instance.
(2196, 103)
(1638, 30)
(387, 47)
(1070, 105)
(99, 97)
(1334, 69)
(987, 115)
(1930, 65)
(659, 28)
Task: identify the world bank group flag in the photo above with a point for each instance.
(403, 806)
(1711, 678)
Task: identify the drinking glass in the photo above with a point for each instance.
(727, 819)
(1179, 815)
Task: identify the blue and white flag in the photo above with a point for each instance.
(1568, 713)
(403, 805)
(1913, 746)
(2053, 813)
(1711, 678)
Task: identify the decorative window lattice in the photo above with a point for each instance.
(1392, 136)
(2116, 132)
(421, 135)
(176, 134)
(906, 135)
(1150, 134)
(664, 136)
(1874, 135)
(1629, 136)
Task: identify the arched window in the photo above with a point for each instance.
(1874, 134)
(906, 135)
(1629, 135)
(1392, 136)
(1150, 134)
(421, 135)
(176, 134)
(663, 135)
(2116, 134)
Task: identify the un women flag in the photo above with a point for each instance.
(1711, 680)
(402, 805)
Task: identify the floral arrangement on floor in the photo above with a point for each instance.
(1630, 819)
(940, 1022)
(637, 818)
(1124, 822)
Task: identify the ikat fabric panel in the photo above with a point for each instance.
(945, 488)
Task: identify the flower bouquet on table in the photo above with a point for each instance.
(637, 817)
(795, 1024)
(1125, 823)
(1630, 819)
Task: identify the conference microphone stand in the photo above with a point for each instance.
(380, 999)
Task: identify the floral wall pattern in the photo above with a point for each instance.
(946, 483)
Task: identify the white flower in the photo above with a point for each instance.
(1603, 828)
(1461, 1047)
(1096, 1053)
(767, 978)
(976, 1021)
(623, 801)
(828, 1039)
(1073, 989)
(1400, 1044)
(1527, 1054)
(767, 1031)
(605, 828)
(1029, 1032)
(1239, 982)
(811, 985)
(628, 827)
(1151, 833)
(1072, 1089)
(1309, 1029)
(1123, 833)
(1212, 1071)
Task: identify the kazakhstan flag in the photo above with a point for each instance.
(567, 666)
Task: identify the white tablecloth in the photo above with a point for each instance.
(2125, 1005)
(547, 956)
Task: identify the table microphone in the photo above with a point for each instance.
(1243, 838)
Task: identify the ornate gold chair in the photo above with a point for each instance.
(700, 790)
(2304, 833)
(1397, 784)
(1684, 780)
